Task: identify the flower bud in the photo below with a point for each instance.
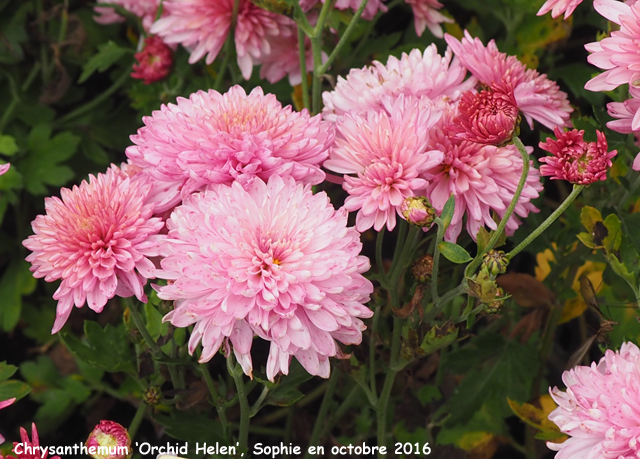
(152, 396)
(495, 262)
(109, 440)
(417, 210)
(422, 269)
(154, 61)
(494, 306)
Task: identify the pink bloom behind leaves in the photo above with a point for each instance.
(599, 409)
(388, 152)
(426, 15)
(372, 8)
(215, 138)
(202, 26)
(575, 160)
(144, 9)
(557, 7)
(154, 61)
(114, 437)
(273, 260)
(4, 168)
(537, 97)
(26, 446)
(489, 117)
(4, 404)
(97, 239)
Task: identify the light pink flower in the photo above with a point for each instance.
(618, 54)
(203, 25)
(284, 59)
(98, 239)
(144, 9)
(627, 112)
(372, 8)
(26, 449)
(114, 437)
(4, 168)
(557, 7)
(273, 260)
(154, 61)
(4, 404)
(483, 178)
(575, 160)
(426, 15)
(538, 98)
(425, 75)
(388, 150)
(489, 117)
(219, 138)
(600, 409)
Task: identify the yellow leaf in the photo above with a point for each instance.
(543, 267)
(534, 416)
(576, 306)
(474, 440)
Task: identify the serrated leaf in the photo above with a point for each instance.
(108, 54)
(6, 371)
(16, 282)
(447, 211)
(13, 389)
(439, 337)
(589, 216)
(8, 145)
(453, 252)
(613, 239)
(534, 416)
(621, 270)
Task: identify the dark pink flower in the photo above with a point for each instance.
(488, 117)
(29, 449)
(154, 61)
(109, 440)
(575, 160)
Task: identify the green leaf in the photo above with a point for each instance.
(631, 223)
(6, 371)
(154, 322)
(286, 392)
(108, 54)
(439, 337)
(447, 211)
(285, 399)
(107, 349)
(613, 239)
(42, 166)
(589, 216)
(453, 252)
(621, 270)
(429, 393)
(586, 239)
(8, 145)
(191, 427)
(482, 238)
(12, 388)
(16, 282)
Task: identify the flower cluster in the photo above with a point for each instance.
(4, 404)
(29, 448)
(599, 409)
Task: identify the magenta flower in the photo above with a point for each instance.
(426, 15)
(425, 75)
(618, 54)
(4, 404)
(109, 440)
(575, 160)
(202, 26)
(489, 117)
(557, 7)
(154, 61)
(600, 408)
(98, 239)
(215, 138)
(29, 449)
(388, 150)
(144, 9)
(537, 97)
(483, 179)
(273, 260)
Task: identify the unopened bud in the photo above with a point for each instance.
(109, 440)
(418, 211)
(422, 269)
(495, 262)
(494, 306)
(152, 396)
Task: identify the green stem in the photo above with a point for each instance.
(372, 354)
(324, 409)
(98, 100)
(235, 370)
(436, 263)
(137, 420)
(303, 69)
(327, 6)
(379, 264)
(577, 189)
(316, 86)
(217, 400)
(383, 402)
(343, 39)
(258, 404)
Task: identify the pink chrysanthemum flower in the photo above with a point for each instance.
(425, 75)
(557, 7)
(154, 61)
(203, 25)
(600, 409)
(618, 54)
(575, 160)
(483, 179)
(29, 449)
(273, 260)
(112, 436)
(426, 15)
(215, 138)
(388, 150)
(538, 98)
(284, 60)
(4, 168)
(489, 117)
(627, 113)
(98, 239)
(4, 404)
(370, 10)
(144, 9)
